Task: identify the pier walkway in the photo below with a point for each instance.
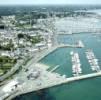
(56, 67)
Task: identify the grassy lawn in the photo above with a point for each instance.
(1, 72)
(6, 63)
(36, 39)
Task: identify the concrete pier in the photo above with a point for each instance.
(56, 67)
(56, 83)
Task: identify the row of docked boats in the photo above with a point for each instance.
(92, 60)
(76, 67)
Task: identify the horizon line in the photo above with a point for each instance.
(44, 4)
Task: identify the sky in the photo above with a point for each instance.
(25, 2)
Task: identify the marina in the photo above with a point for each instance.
(59, 78)
(65, 56)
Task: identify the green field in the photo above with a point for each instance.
(6, 63)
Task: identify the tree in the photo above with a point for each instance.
(20, 36)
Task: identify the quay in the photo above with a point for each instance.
(71, 45)
(55, 83)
